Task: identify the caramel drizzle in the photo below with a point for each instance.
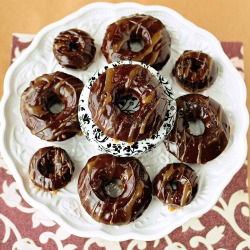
(137, 194)
(132, 130)
(99, 209)
(129, 174)
(131, 76)
(165, 179)
(144, 122)
(155, 39)
(186, 193)
(106, 93)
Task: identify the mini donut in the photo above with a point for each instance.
(135, 196)
(125, 80)
(141, 29)
(45, 91)
(203, 147)
(74, 49)
(195, 71)
(51, 168)
(175, 185)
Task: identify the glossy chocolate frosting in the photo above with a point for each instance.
(195, 71)
(40, 95)
(202, 148)
(144, 29)
(125, 80)
(175, 185)
(74, 49)
(101, 170)
(51, 168)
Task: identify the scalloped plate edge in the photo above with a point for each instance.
(105, 235)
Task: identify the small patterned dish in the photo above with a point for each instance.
(120, 148)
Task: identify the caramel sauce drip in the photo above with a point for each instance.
(137, 194)
(132, 76)
(155, 39)
(106, 97)
(144, 122)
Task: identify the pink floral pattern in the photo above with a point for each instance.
(225, 226)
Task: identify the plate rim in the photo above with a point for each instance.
(101, 234)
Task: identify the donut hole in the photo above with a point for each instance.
(55, 105)
(46, 169)
(136, 43)
(114, 188)
(127, 102)
(73, 46)
(196, 127)
(175, 185)
(196, 65)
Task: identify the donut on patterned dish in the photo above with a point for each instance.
(128, 80)
(133, 182)
(195, 71)
(74, 49)
(51, 168)
(192, 147)
(175, 185)
(139, 37)
(38, 100)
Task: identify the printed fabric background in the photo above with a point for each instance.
(225, 226)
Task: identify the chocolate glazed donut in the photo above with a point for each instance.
(37, 100)
(175, 185)
(104, 169)
(147, 31)
(51, 168)
(74, 49)
(204, 147)
(126, 80)
(195, 71)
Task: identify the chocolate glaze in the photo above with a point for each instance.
(198, 148)
(102, 169)
(35, 102)
(74, 49)
(125, 80)
(195, 71)
(175, 185)
(51, 168)
(144, 29)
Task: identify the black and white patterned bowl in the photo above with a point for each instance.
(121, 148)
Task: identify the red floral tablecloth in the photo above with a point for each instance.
(225, 226)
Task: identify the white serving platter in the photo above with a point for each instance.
(18, 144)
